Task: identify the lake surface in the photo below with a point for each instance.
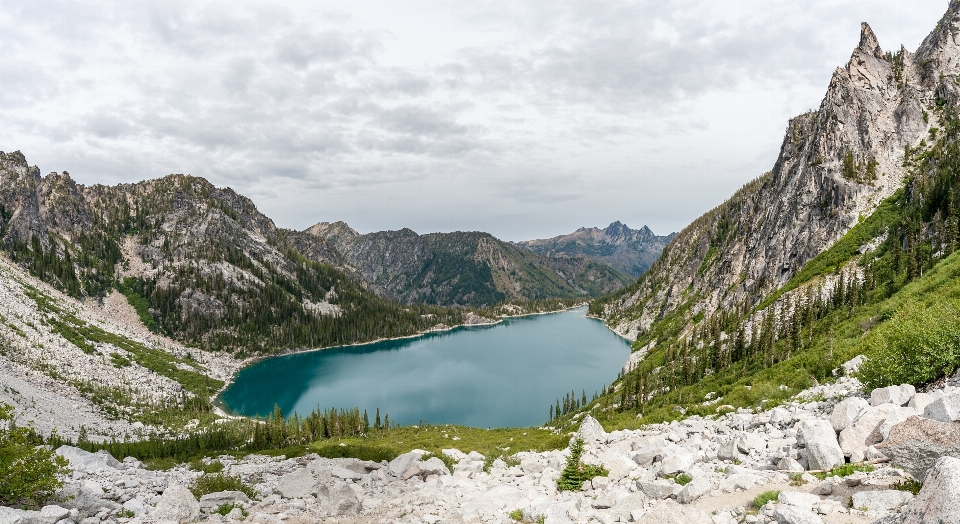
(505, 375)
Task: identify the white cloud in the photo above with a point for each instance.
(525, 119)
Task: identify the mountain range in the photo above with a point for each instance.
(631, 251)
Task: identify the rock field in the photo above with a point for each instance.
(726, 462)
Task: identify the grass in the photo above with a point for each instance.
(843, 471)
(681, 478)
(491, 443)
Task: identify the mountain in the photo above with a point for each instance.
(835, 166)
(631, 251)
(204, 266)
(847, 247)
(462, 268)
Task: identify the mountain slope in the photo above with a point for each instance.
(836, 164)
(630, 251)
(887, 288)
(462, 268)
(207, 268)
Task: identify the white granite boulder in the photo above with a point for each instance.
(822, 450)
(846, 411)
(939, 498)
(896, 395)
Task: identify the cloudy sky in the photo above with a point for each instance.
(524, 119)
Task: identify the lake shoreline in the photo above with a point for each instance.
(483, 378)
(219, 408)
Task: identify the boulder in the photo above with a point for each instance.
(400, 464)
(670, 512)
(177, 504)
(425, 468)
(896, 395)
(659, 488)
(677, 461)
(85, 461)
(729, 450)
(591, 430)
(789, 464)
(780, 417)
(917, 443)
(341, 499)
(88, 502)
(861, 433)
(649, 450)
(625, 508)
(944, 409)
(920, 401)
(212, 501)
(895, 417)
(751, 442)
(297, 484)
(364, 466)
(786, 514)
(820, 440)
(881, 500)
(799, 499)
(846, 411)
(939, 498)
(344, 473)
(695, 489)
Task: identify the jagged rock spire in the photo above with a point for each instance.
(868, 41)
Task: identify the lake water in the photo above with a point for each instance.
(505, 375)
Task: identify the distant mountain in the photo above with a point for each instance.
(630, 251)
(462, 268)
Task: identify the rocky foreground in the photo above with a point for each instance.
(722, 464)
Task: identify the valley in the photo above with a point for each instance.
(793, 353)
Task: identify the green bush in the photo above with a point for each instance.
(29, 475)
(919, 344)
(214, 482)
(576, 472)
(765, 497)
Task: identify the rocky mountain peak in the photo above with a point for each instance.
(868, 41)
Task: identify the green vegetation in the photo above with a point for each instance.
(128, 287)
(576, 472)
(214, 482)
(214, 466)
(843, 471)
(224, 509)
(763, 498)
(918, 344)
(911, 485)
(681, 478)
(29, 474)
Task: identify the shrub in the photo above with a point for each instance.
(913, 486)
(223, 509)
(29, 475)
(214, 482)
(917, 345)
(765, 497)
(576, 472)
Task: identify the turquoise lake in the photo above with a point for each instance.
(504, 375)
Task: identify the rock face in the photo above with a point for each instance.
(917, 443)
(462, 268)
(873, 108)
(630, 251)
(939, 497)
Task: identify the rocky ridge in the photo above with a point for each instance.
(836, 164)
(463, 268)
(631, 251)
(726, 462)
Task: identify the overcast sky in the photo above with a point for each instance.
(524, 119)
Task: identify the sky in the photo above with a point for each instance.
(525, 119)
